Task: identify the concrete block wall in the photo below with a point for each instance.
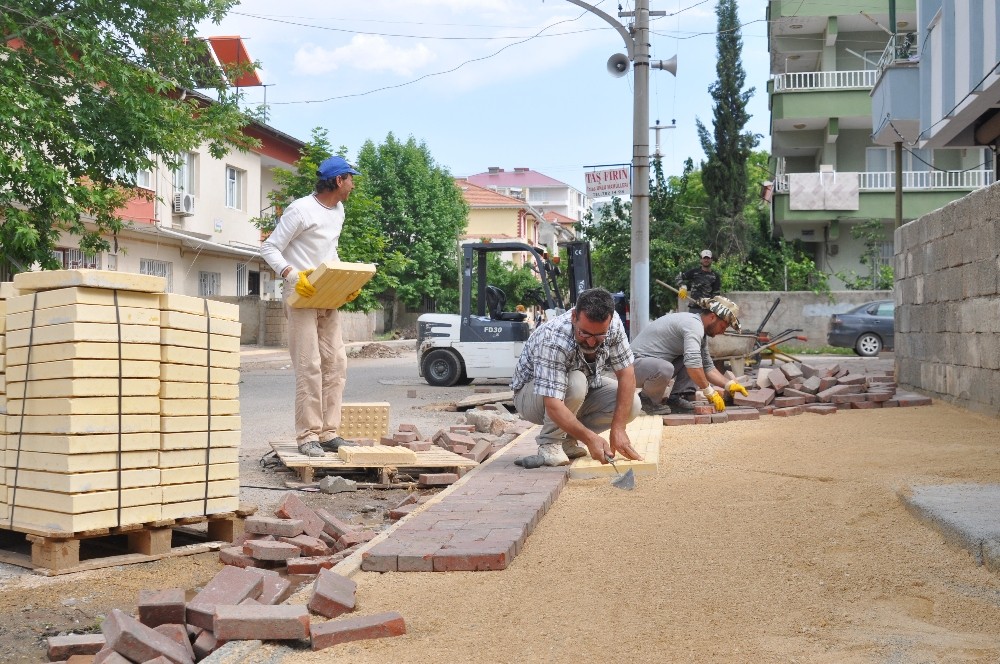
(947, 268)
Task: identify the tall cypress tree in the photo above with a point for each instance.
(724, 174)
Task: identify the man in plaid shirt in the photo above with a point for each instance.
(558, 383)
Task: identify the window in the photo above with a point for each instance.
(241, 280)
(74, 259)
(112, 262)
(185, 174)
(234, 187)
(144, 178)
(883, 160)
(885, 309)
(157, 268)
(209, 284)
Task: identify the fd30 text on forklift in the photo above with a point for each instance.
(485, 343)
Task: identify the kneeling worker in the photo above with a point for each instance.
(558, 383)
(676, 346)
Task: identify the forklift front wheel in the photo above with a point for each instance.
(441, 368)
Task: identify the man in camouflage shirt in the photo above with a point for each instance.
(699, 283)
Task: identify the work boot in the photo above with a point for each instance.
(651, 408)
(335, 444)
(573, 449)
(530, 461)
(679, 403)
(553, 455)
(311, 448)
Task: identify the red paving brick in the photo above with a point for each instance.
(160, 607)
(282, 622)
(133, 640)
(62, 647)
(378, 626)
(230, 585)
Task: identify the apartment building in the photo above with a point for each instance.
(832, 142)
(543, 193)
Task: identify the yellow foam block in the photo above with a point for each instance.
(78, 295)
(199, 440)
(179, 320)
(364, 420)
(84, 482)
(334, 282)
(196, 423)
(66, 424)
(72, 332)
(51, 279)
(188, 339)
(80, 503)
(92, 350)
(377, 455)
(81, 463)
(645, 433)
(81, 313)
(189, 474)
(187, 373)
(85, 406)
(175, 493)
(178, 458)
(172, 390)
(196, 305)
(82, 443)
(201, 357)
(199, 508)
(83, 387)
(181, 407)
(83, 369)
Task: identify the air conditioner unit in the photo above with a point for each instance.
(183, 204)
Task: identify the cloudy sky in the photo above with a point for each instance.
(485, 83)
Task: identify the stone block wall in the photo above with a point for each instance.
(947, 267)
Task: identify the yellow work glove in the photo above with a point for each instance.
(353, 296)
(682, 292)
(735, 387)
(303, 287)
(715, 398)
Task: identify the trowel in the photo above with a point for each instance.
(626, 481)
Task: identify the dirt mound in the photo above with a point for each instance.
(375, 350)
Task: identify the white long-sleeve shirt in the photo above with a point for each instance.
(306, 235)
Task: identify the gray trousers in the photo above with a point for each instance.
(595, 408)
(653, 376)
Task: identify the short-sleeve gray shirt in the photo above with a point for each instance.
(673, 336)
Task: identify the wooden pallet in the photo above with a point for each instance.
(306, 466)
(55, 553)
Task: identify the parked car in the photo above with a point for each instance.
(867, 329)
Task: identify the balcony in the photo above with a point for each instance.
(814, 81)
(912, 180)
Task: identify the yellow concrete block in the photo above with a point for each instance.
(82, 369)
(198, 507)
(7, 290)
(83, 387)
(180, 407)
(175, 493)
(645, 433)
(58, 522)
(81, 313)
(334, 282)
(94, 350)
(377, 455)
(73, 332)
(172, 390)
(190, 474)
(51, 279)
(196, 305)
(3, 363)
(183, 355)
(80, 503)
(82, 443)
(85, 424)
(82, 463)
(193, 440)
(364, 420)
(195, 423)
(177, 458)
(76, 295)
(189, 339)
(84, 482)
(178, 320)
(186, 373)
(86, 406)
(3, 338)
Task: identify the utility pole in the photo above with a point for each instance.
(636, 39)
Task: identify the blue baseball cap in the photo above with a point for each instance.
(334, 166)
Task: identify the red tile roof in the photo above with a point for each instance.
(480, 197)
(519, 177)
(559, 218)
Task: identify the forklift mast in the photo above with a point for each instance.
(578, 252)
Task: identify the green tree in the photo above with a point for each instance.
(91, 93)
(880, 275)
(423, 214)
(728, 148)
(610, 237)
(362, 239)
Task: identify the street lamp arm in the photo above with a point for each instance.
(629, 42)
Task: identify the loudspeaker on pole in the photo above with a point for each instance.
(618, 65)
(667, 65)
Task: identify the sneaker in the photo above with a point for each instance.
(552, 454)
(573, 449)
(335, 444)
(680, 404)
(651, 408)
(530, 461)
(311, 448)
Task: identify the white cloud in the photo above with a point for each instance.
(364, 52)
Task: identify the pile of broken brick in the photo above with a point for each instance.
(793, 388)
(244, 600)
(488, 429)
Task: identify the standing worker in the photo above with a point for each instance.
(676, 346)
(700, 282)
(306, 235)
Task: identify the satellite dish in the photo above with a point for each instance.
(618, 65)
